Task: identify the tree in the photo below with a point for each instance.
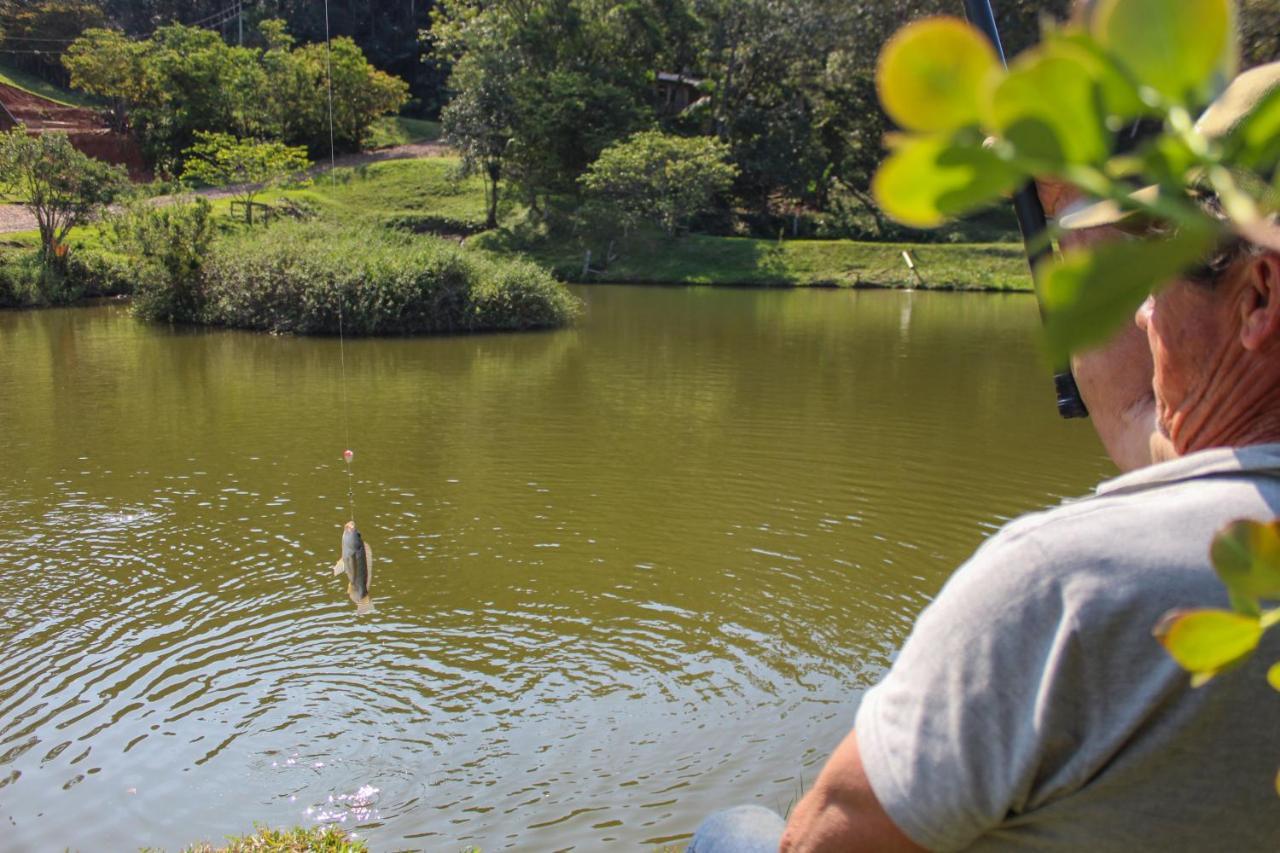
(107, 64)
(60, 185)
(660, 177)
(361, 93)
(480, 121)
(246, 166)
(183, 80)
(571, 76)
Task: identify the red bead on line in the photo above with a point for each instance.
(348, 455)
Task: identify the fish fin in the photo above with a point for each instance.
(364, 605)
(339, 567)
(368, 565)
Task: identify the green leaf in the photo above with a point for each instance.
(1273, 676)
(930, 178)
(1185, 50)
(1090, 292)
(1168, 160)
(931, 73)
(1246, 555)
(1047, 106)
(1119, 95)
(1206, 641)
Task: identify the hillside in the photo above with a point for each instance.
(83, 125)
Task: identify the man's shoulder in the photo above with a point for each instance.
(1139, 534)
(1169, 505)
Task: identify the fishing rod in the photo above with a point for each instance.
(1031, 221)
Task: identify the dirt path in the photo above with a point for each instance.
(15, 217)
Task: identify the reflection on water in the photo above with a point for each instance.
(627, 573)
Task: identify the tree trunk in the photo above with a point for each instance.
(491, 193)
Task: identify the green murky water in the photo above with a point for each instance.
(624, 574)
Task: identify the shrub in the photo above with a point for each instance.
(20, 273)
(99, 272)
(661, 178)
(27, 281)
(166, 248)
(297, 277)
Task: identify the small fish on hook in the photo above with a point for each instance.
(357, 562)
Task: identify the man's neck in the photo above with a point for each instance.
(1245, 411)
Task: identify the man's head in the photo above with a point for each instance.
(1214, 332)
(1214, 335)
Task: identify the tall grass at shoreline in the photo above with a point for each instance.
(295, 277)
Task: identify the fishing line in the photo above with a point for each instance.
(347, 455)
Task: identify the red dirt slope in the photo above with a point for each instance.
(83, 127)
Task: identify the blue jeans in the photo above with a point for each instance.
(742, 829)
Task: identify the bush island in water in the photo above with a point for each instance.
(294, 277)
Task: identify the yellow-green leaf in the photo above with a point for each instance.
(1089, 292)
(1246, 555)
(928, 179)
(1118, 94)
(1183, 49)
(1047, 107)
(1273, 676)
(1205, 641)
(931, 73)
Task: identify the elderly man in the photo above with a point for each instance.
(1031, 708)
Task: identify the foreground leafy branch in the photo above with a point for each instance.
(975, 131)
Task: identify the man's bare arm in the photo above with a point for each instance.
(841, 812)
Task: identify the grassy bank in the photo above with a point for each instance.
(699, 259)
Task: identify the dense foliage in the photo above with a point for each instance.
(184, 80)
(306, 277)
(541, 87)
(536, 89)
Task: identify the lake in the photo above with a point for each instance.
(625, 573)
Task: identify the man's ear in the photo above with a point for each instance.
(1260, 301)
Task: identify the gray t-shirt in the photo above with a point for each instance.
(1031, 707)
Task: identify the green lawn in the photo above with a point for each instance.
(36, 86)
(397, 130)
(699, 259)
(423, 195)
